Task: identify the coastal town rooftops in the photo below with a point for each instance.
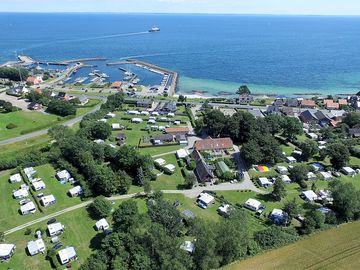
(214, 144)
(330, 104)
(307, 103)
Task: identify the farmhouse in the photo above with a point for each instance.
(38, 185)
(6, 251)
(252, 204)
(67, 255)
(55, 229)
(206, 199)
(214, 144)
(48, 200)
(75, 191)
(63, 176)
(21, 193)
(102, 224)
(15, 178)
(348, 171)
(309, 196)
(264, 182)
(36, 247)
(28, 208)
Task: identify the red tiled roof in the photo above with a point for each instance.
(116, 84)
(307, 103)
(342, 102)
(177, 130)
(330, 104)
(214, 144)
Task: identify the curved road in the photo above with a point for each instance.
(45, 131)
(191, 193)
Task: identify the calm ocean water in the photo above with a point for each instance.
(272, 54)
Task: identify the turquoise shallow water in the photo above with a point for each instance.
(272, 54)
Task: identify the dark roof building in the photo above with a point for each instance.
(273, 110)
(162, 138)
(354, 132)
(292, 102)
(308, 116)
(146, 103)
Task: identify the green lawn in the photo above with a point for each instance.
(337, 248)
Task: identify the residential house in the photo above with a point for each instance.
(75, 191)
(67, 255)
(342, 102)
(177, 130)
(203, 171)
(145, 103)
(83, 100)
(34, 106)
(161, 139)
(15, 178)
(214, 144)
(35, 247)
(116, 85)
(181, 139)
(354, 132)
(288, 111)
(291, 102)
(34, 80)
(63, 96)
(308, 116)
(279, 217)
(322, 119)
(307, 103)
(167, 107)
(102, 224)
(279, 102)
(55, 229)
(63, 176)
(28, 208)
(48, 200)
(331, 104)
(245, 99)
(273, 110)
(252, 204)
(6, 251)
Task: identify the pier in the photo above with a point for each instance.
(152, 68)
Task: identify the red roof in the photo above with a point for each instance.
(330, 104)
(307, 103)
(342, 102)
(214, 144)
(177, 130)
(116, 84)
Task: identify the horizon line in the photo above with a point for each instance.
(180, 13)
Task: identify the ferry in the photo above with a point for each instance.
(154, 29)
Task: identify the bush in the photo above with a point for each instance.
(192, 165)
(11, 126)
(181, 163)
(100, 208)
(28, 231)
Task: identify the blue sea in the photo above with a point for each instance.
(212, 53)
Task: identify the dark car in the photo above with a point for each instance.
(107, 232)
(261, 210)
(51, 221)
(58, 245)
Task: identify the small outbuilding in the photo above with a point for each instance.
(75, 191)
(6, 251)
(21, 193)
(264, 182)
(15, 178)
(67, 255)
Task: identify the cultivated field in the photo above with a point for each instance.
(337, 248)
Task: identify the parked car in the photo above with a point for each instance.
(58, 245)
(51, 221)
(261, 210)
(24, 201)
(201, 205)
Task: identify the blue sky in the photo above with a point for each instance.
(297, 7)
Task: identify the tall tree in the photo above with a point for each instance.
(292, 208)
(243, 90)
(339, 155)
(279, 190)
(309, 149)
(292, 127)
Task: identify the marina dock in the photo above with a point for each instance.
(152, 68)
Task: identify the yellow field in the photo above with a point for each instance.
(338, 248)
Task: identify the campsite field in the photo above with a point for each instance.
(337, 248)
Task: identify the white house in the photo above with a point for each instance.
(76, 191)
(136, 120)
(326, 175)
(63, 176)
(48, 200)
(252, 204)
(21, 193)
(206, 199)
(309, 196)
(188, 246)
(182, 153)
(264, 182)
(282, 170)
(67, 255)
(28, 208)
(311, 176)
(38, 185)
(291, 159)
(102, 224)
(286, 179)
(170, 167)
(36, 247)
(348, 171)
(55, 229)
(6, 251)
(160, 161)
(15, 178)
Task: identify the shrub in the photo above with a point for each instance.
(100, 208)
(28, 231)
(11, 126)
